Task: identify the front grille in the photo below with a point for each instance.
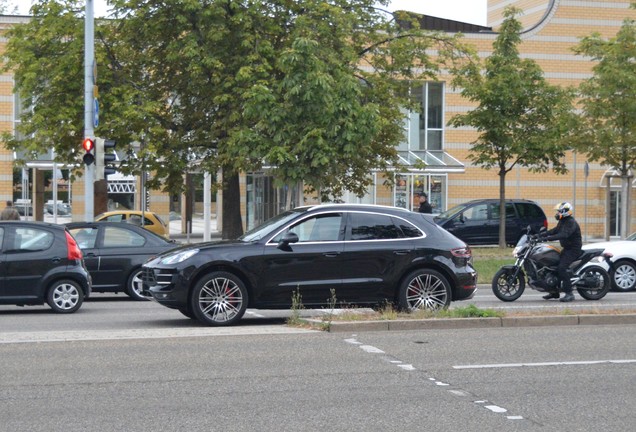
(154, 276)
(148, 277)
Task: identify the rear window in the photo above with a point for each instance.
(32, 239)
(530, 211)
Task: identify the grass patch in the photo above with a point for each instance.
(488, 260)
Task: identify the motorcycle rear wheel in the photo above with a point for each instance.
(505, 287)
(598, 292)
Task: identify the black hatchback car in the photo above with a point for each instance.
(114, 252)
(477, 222)
(360, 254)
(41, 262)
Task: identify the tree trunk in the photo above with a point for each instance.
(502, 209)
(232, 224)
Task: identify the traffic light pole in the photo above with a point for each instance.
(89, 105)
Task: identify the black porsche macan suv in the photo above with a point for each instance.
(360, 254)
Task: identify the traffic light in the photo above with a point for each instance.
(105, 156)
(89, 147)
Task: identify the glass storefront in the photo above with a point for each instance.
(408, 185)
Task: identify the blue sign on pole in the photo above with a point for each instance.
(96, 113)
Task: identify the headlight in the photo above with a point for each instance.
(179, 256)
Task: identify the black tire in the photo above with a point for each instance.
(134, 286)
(624, 275)
(506, 289)
(65, 296)
(187, 312)
(601, 289)
(219, 299)
(424, 289)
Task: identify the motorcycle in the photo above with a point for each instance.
(537, 263)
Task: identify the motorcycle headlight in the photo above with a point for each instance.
(179, 256)
(516, 251)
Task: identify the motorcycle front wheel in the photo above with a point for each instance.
(598, 283)
(506, 287)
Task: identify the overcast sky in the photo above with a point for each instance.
(471, 11)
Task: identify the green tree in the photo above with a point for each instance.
(314, 88)
(521, 119)
(606, 129)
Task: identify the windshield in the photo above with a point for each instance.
(271, 225)
(451, 212)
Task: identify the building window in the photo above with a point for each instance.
(427, 128)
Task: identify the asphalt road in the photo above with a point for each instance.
(522, 379)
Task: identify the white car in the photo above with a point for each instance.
(623, 275)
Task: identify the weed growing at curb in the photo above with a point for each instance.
(297, 306)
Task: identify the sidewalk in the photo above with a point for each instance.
(196, 232)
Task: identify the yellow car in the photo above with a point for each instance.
(151, 221)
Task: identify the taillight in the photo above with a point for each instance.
(545, 223)
(463, 252)
(73, 251)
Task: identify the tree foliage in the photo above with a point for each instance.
(606, 129)
(521, 118)
(313, 88)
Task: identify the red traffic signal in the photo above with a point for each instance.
(88, 144)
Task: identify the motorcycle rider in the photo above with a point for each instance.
(568, 232)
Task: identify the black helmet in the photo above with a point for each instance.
(563, 210)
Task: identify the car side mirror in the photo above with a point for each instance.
(287, 239)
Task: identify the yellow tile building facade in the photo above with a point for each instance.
(551, 29)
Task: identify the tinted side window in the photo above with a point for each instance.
(32, 239)
(324, 227)
(529, 211)
(367, 226)
(510, 211)
(476, 212)
(408, 230)
(119, 237)
(85, 237)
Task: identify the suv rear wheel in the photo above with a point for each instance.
(424, 289)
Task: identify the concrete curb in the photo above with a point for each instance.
(458, 323)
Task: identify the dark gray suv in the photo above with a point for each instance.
(477, 222)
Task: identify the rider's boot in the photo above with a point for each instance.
(551, 295)
(568, 297)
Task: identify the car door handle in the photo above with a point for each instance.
(56, 259)
(401, 252)
(331, 254)
(90, 254)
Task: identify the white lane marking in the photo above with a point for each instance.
(406, 367)
(439, 383)
(495, 408)
(514, 417)
(541, 364)
(371, 349)
(97, 335)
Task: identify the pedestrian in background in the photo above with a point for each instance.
(9, 212)
(425, 207)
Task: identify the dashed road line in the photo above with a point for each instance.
(454, 391)
(541, 364)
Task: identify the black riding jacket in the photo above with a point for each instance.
(568, 232)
